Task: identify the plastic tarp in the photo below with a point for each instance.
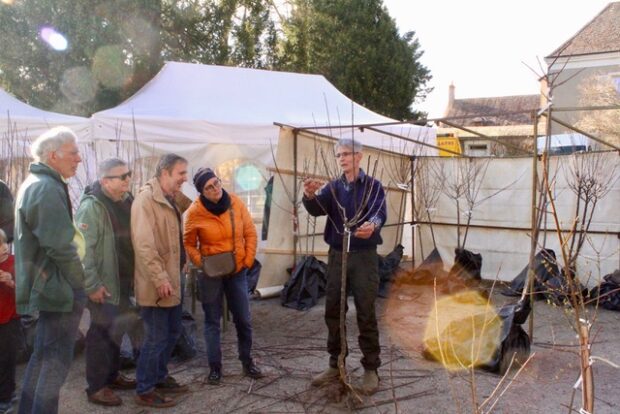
(503, 211)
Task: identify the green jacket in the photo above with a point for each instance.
(47, 265)
(101, 259)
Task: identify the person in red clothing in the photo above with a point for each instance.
(9, 326)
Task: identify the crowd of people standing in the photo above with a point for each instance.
(121, 255)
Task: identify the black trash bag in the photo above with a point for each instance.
(557, 289)
(185, 347)
(514, 341)
(306, 285)
(253, 275)
(425, 274)
(467, 265)
(545, 268)
(387, 268)
(607, 295)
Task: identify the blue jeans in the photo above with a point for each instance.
(51, 358)
(236, 290)
(162, 329)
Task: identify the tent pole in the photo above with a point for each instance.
(534, 231)
(295, 209)
(413, 223)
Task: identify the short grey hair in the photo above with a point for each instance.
(51, 141)
(355, 146)
(167, 162)
(107, 165)
(3, 237)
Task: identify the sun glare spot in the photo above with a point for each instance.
(56, 40)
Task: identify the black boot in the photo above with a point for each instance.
(215, 375)
(252, 371)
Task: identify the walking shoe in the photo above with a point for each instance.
(171, 386)
(106, 397)
(155, 400)
(6, 407)
(370, 382)
(252, 371)
(215, 375)
(324, 377)
(123, 383)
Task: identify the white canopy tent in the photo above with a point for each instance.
(189, 103)
(27, 122)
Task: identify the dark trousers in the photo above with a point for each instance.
(103, 343)
(363, 283)
(162, 328)
(51, 358)
(212, 291)
(9, 333)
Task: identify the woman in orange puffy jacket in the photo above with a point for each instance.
(209, 231)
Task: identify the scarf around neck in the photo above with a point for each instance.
(216, 208)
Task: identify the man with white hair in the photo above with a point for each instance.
(353, 194)
(49, 272)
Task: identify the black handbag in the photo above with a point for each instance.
(221, 264)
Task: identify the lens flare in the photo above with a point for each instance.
(462, 331)
(54, 39)
(8, 2)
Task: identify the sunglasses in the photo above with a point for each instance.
(122, 177)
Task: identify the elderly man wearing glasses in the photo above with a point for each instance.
(104, 219)
(159, 257)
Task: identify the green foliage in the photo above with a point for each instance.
(356, 45)
(115, 47)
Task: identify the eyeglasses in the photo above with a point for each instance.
(122, 177)
(212, 187)
(345, 154)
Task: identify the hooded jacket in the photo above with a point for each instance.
(101, 259)
(47, 265)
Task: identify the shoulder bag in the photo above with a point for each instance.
(221, 264)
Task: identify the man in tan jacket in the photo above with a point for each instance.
(159, 258)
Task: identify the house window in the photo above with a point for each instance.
(247, 179)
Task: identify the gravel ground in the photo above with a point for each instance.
(289, 345)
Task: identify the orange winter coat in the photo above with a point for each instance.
(206, 234)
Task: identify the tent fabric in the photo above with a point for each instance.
(28, 122)
(195, 103)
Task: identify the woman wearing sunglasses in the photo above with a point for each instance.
(218, 222)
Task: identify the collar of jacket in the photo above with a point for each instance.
(361, 177)
(42, 168)
(158, 193)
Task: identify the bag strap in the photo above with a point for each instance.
(232, 221)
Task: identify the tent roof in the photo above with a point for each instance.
(29, 122)
(188, 102)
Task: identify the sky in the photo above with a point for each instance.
(481, 45)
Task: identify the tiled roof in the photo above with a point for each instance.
(600, 35)
(484, 111)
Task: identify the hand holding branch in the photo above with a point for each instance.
(311, 186)
(365, 230)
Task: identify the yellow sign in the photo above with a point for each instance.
(450, 143)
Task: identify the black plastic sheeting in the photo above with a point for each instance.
(387, 268)
(607, 295)
(513, 339)
(467, 265)
(549, 283)
(306, 285)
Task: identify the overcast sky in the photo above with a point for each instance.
(480, 44)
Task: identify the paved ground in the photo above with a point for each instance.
(289, 346)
